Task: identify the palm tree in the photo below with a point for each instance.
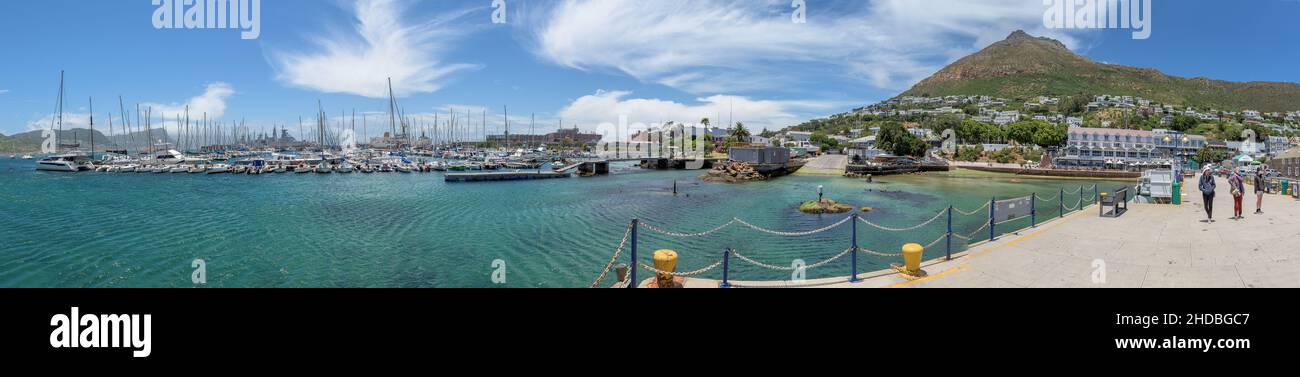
(740, 133)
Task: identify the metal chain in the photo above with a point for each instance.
(791, 268)
(1076, 191)
(936, 241)
(972, 213)
(971, 235)
(879, 254)
(917, 226)
(829, 260)
(686, 235)
(1076, 205)
(760, 264)
(683, 274)
(1040, 198)
(613, 260)
(793, 234)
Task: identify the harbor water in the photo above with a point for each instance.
(415, 230)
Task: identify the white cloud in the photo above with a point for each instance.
(607, 106)
(383, 46)
(4, 91)
(738, 45)
(212, 101)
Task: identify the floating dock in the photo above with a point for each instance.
(502, 176)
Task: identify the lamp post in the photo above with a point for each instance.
(1182, 154)
(819, 194)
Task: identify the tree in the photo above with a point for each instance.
(1075, 104)
(940, 123)
(895, 139)
(740, 133)
(825, 141)
(1209, 155)
(1182, 123)
(1023, 131)
(1050, 135)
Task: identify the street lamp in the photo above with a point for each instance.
(819, 193)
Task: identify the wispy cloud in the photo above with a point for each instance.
(384, 45)
(4, 91)
(723, 46)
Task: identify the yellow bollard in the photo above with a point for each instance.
(912, 258)
(666, 261)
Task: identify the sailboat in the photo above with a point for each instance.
(71, 162)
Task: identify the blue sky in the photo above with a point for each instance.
(585, 62)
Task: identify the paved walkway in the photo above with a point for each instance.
(829, 164)
(1149, 246)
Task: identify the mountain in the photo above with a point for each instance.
(1024, 66)
(31, 141)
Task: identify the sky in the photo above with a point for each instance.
(578, 63)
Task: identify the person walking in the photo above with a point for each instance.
(1238, 189)
(1261, 180)
(1207, 192)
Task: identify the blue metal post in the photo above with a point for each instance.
(1061, 204)
(993, 208)
(1033, 210)
(726, 262)
(1080, 198)
(854, 255)
(948, 247)
(632, 281)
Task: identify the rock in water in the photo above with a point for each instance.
(733, 172)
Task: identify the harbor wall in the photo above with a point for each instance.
(1058, 173)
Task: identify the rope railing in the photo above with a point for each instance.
(682, 274)
(914, 227)
(971, 236)
(654, 229)
(824, 262)
(975, 212)
(793, 234)
(988, 224)
(1076, 206)
(612, 261)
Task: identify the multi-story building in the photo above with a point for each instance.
(1177, 145)
(1106, 148)
(1287, 164)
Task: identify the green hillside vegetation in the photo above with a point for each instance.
(1023, 66)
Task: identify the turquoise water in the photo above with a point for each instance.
(413, 230)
